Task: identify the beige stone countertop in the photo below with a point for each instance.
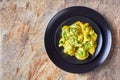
(22, 51)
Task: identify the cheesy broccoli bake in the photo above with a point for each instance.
(79, 40)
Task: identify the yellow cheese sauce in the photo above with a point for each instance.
(79, 40)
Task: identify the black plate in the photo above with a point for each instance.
(64, 15)
(70, 21)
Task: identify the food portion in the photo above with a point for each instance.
(79, 40)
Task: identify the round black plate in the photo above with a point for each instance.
(70, 21)
(64, 15)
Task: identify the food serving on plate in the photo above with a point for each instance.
(79, 40)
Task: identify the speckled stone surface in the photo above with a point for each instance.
(22, 28)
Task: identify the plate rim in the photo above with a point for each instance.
(97, 64)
